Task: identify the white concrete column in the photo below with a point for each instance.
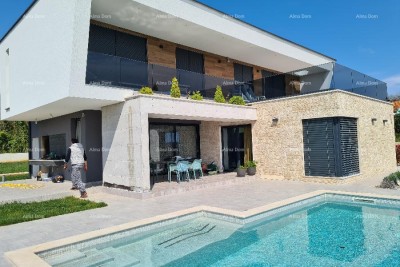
(138, 136)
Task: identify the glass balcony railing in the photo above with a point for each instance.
(116, 71)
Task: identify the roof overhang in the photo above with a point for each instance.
(195, 25)
(61, 107)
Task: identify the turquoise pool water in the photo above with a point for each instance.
(321, 234)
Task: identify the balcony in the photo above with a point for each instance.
(117, 71)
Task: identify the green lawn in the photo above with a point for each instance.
(16, 212)
(11, 167)
(16, 177)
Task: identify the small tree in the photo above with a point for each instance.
(219, 95)
(175, 90)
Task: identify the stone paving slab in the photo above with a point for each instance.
(240, 197)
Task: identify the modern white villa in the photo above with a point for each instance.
(73, 68)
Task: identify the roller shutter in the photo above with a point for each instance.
(330, 147)
(319, 147)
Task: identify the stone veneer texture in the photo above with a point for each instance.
(279, 148)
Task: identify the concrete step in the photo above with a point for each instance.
(72, 255)
(121, 259)
(93, 258)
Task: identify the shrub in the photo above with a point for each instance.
(387, 183)
(237, 100)
(397, 123)
(175, 91)
(146, 90)
(251, 163)
(398, 154)
(390, 181)
(196, 96)
(219, 95)
(395, 177)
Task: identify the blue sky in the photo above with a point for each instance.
(370, 45)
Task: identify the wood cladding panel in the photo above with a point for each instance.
(164, 56)
(218, 66)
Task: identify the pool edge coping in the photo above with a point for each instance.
(28, 256)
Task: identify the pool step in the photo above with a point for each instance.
(72, 255)
(121, 259)
(93, 258)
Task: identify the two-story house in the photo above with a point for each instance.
(73, 68)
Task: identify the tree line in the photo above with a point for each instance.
(14, 136)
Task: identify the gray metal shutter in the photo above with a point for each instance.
(131, 46)
(348, 146)
(319, 147)
(101, 40)
(189, 60)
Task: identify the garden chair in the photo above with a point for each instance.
(182, 167)
(196, 166)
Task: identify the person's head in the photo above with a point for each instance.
(74, 140)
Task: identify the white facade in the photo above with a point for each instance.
(43, 73)
(47, 62)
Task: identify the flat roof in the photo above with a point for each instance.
(196, 1)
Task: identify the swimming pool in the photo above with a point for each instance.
(324, 230)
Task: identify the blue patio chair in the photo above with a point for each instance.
(196, 166)
(171, 168)
(182, 167)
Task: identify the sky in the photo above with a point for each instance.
(361, 34)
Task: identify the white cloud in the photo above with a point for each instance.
(393, 81)
(393, 84)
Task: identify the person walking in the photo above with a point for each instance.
(76, 154)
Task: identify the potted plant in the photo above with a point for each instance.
(175, 90)
(219, 95)
(196, 96)
(241, 171)
(251, 167)
(237, 100)
(146, 90)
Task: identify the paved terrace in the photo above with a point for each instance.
(236, 195)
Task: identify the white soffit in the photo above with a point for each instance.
(194, 25)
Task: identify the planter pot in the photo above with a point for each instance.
(251, 170)
(241, 172)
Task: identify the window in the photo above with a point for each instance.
(189, 60)
(330, 147)
(116, 58)
(115, 43)
(190, 69)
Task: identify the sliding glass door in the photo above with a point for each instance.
(236, 146)
(168, 140)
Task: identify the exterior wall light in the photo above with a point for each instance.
(275, 121)
(373, 120)
(385, 122)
